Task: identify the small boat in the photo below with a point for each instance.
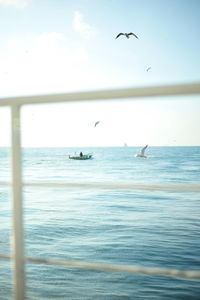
(83, 157)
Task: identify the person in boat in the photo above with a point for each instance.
(81, 154)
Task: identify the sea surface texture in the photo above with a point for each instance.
(146, 228)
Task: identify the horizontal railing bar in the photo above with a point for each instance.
(136, 92)
(5, 184)
(4, 256)
(186, 274)
(110, 186)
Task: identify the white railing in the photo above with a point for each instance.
(17, 249)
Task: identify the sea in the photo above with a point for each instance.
(125, 227)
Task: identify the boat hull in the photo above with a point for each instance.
(84, 157)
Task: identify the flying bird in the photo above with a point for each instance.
(127, 35)
(96, 123)
(149, 68)
(141, 154)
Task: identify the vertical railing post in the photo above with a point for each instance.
(17, 207)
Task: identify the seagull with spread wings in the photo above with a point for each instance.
(141, 154)
(127, 35)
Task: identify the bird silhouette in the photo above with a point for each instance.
(127, 35)
(149, 68)
(96, 123)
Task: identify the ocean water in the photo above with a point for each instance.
(152, 229)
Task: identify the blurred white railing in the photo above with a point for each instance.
(17, 252)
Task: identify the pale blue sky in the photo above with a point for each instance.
(50, 46)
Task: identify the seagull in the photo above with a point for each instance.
(96, 123)
(141, 154)
(127, 35)
(149, 68)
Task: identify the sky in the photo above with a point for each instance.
(50, 46)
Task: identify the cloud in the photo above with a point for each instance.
(16, 3)
(80, 26)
